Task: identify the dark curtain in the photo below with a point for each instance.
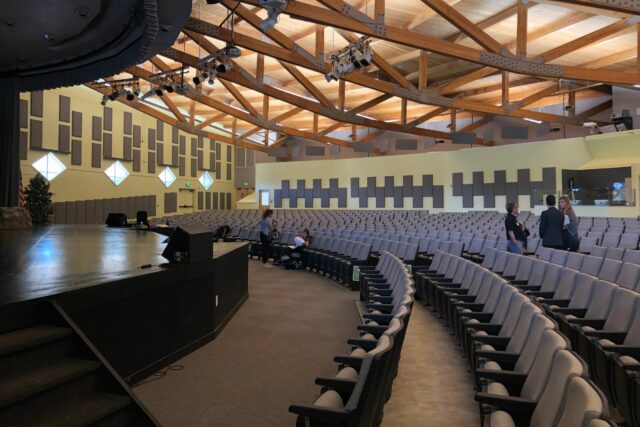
(9, 142)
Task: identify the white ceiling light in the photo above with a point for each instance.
(206, 180)
(536, 121)
(49, 166)
(167, 177)
(117, 173)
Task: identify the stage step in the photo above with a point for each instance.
(34, 336)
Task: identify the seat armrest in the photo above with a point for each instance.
(617, 337)
(540, 294)
(337, 384)
(490, 339)
(385, 308)
(498, 356)
(375, 330)
(366, 345)
(624, 350)
(470, 305)
(320, 415)
(557, 302)
(382, 299)
(517, 407)
(578, 312)
(465, 298)
(354, 362)
(455, 291)
(490, 328)
(594, 323)
(483, 317)
(503, 377)
(529, 287)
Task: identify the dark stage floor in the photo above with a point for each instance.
(60, 258)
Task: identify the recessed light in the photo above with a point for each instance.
(637, 85)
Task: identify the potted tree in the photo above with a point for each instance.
(38, 200)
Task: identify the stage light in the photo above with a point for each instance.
(224, 67)
(130, 96)
(357, 55)
(232, 51)
(168, 88)
(114, 95)
(104, 100)
(158, 91)
(274, 9)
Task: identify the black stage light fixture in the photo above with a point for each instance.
(130, 96)
(214, 1)
(223, 67)
(114, 95)
(158, 91)
(168, 88)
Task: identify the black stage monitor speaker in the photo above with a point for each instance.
(189, 244)
(142, 218)
(116, 220)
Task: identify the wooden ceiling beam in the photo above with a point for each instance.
(165, 98)
(211, 120)
(505, 88)
(625, 7)
(423, 69)
(463, 24)
(427, 15)
(475, 125)
(304, 81)
(521, 30)
(334, 17)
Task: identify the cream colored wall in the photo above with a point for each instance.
(86, 183)
(617, 150)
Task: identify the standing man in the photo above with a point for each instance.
(551, 225)
(515, 231)
(266, 228)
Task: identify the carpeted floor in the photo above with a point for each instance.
(284, 337)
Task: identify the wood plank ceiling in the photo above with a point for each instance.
(434, 61)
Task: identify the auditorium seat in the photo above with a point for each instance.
(587, 244)
(632, 256)
(610, 270)
(574, 260)
(629, 240)
(614, 253)
(592, 265)
(598, 251)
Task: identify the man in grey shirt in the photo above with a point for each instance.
(266, 227)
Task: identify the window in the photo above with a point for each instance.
(206, 180)
(49, 166)
(167, 177)
(264, 197)
(117, 173)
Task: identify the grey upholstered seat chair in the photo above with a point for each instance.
(592, 265)
(610, 270)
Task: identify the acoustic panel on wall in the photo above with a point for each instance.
(325, 198)
(277, 198)
(64, 108)
(311, 150)
(107, 113)
(427, 185)
(512, 192)
(24, 145)
(64, 138)
(37, 103)
(406, 144)
(467, 196)
(285, 188)
(76, 124)
(418, 197)
(207, 200)
(478, 183)
(229, 201)
(24, 114)
(35, 134)
(549, 180)
(500, 182)
(398, 197)
(536, 193)
(524, 178)
(463, 138)
(76, 152)
(456, 182)
(438, 197)
(342, 197)
(515, 132)
(380, 191)
(489, 195)
(407, 186)
(127, 127)
(355, 185)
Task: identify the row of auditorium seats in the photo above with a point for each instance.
(525, 371)
(595, 302)
(356, 394)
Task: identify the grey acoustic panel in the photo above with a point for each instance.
(407, 185)
(549, 180)
(456, 180)
(229, 201)
(24, 114)
(107, 113)
(81, 212)
(515, 132)
(325, 201)
(285, 185)
(182, 166)
(35, 134)
(241, 157)
(308, 198)
(334, 149)
(463, 138)
(467, 196)
(536, 193)
(100, 211)
(107, 146)
(218, 151)
(489, 196)
(76, 124)
(207, 203)
(175, 135)
(218, 170)
(406, 144)
(293, 199)
(200, 159)
(194, 167)
(160, 153)
(438, 196)
(542, 129)
(478, 183)
(333, 187)
(174, 156)
(500, 183)
(512, 192)
(151, 162)
(96, 155)
(152, 205)
(37, 103)
(300, 184)
(277, 198)
(380, 197)
(151, 139)
(137, 160)
(388, 186)
(355, 186)
(363, 200)
(212, 160)
(96, 128)
(371, 186)
(126, 148)
(64, 138)
(229, 153)
(418, 199)
(214, 200)
(200, 142)
(427, 185)
(137, 136)
(24, 145)
(229, 171)
(160, 130)
(311, 150)
(524, 178)
(60, 213)
(398, 199)
(170, 202)
(183, 145)
(342, 197)
(317, 187)
(71, 212)
(90, 212)
(128, 123)
(64, 108)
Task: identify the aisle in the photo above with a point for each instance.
(266, 358)
(433, 387)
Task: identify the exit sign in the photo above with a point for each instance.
(246, 183)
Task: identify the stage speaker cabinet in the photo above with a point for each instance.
(116, 220)
(189, 244)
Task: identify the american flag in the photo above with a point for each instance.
(21, 200)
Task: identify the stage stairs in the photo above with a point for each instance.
(51, 375)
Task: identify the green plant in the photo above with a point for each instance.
(38, 200)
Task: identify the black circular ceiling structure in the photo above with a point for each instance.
(53, 43)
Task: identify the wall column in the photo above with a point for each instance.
(9, 142)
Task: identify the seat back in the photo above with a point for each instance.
(551, 277)
(524, 268)
(632, 256)
(520, 333)
(600, 300)
(591, 265)
(629, 276)
(623, 306)
(574, 260)
(610, 269)
(565, 366)
(512, 265)
(559, 257)
(582, 403)
(614, 253)
(599, 251)
(587, 244)
(550, 343)
(539, 324)
(566, 284)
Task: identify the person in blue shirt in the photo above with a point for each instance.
(266, 227)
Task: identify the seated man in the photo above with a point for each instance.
(297, 253)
